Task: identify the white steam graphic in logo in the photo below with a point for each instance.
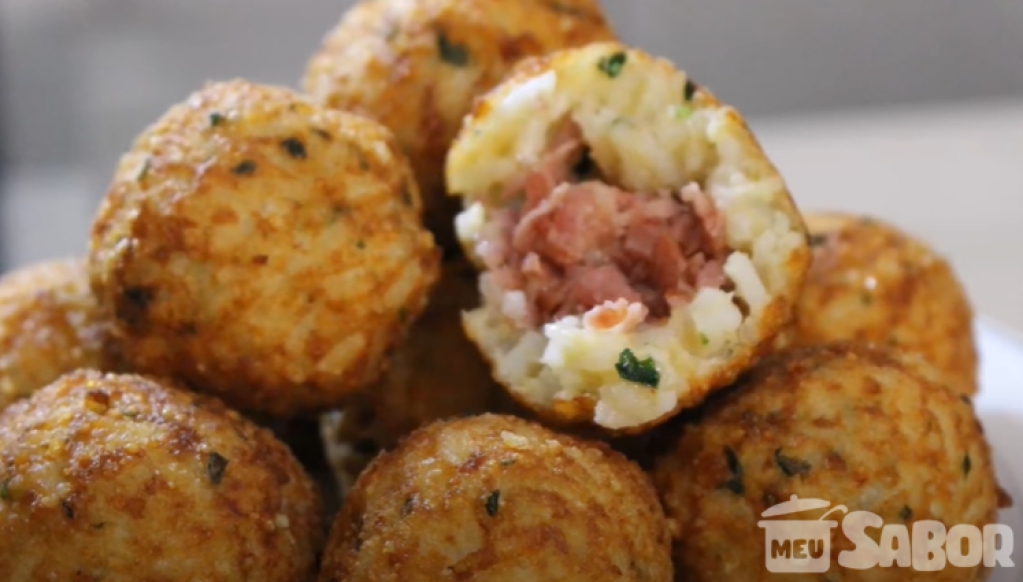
(804, 546)
(798, 546)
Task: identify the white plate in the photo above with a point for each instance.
(1000, 405)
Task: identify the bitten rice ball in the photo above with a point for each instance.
(870, 282)
(263, 248)
(122, 478)
(436, 374)
(499, 499)
(49, 325)
(417, 65)
(639, 249)
(855, 426)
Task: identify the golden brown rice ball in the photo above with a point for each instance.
(436, 374)
(639, 248)
(872, 430)
(499, 499)
(263, 248)
(417, 65)
(870, 282)
(49, 325)
(122, 478)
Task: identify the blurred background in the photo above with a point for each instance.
(911, 110)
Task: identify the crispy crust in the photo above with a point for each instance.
(50, 324)
(262, 248)
(870, 282)
(471, 169)
(566, 510)
(855, 425)
(384, 60)
(119, 477)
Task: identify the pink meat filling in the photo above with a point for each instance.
(573, 244)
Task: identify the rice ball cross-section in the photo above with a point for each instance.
(50, 324)
(417, 65)
(262, 248)
(499, 499)
(639, 250)
(871, 282)
(859, 427)
(121, 478)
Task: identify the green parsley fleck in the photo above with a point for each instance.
(734, 484)
(493, 502)
(5, 489)
(216, 119)
(245, 168)
(683, 112)
(507, 462)
(690, 90)
(144, 171)
(360, 244)
(906, 513)
(704, 340)
(455, 55)
(967, 465)
(867, 298)
(612, 65)
(632, 369)
(294, 147)
(790, 466)
(215, 467)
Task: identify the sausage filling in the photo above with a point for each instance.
(567, 242)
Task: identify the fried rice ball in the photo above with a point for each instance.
(436, 374)
(870, 282)
(499, 499)
(873, 430)
(263, 248)
(50, 324)
(639, 248)
(123, 478)
(417, 65)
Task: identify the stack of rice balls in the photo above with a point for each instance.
(553, 309)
